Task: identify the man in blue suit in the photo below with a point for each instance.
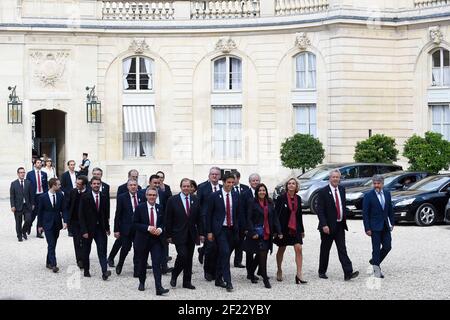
(208, 253)
(222, 226)
(148, 223)
(39, 185)
(378, 217)
(123, 222)
(50, 215)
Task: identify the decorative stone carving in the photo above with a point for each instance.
(49, 66)
(302, 41)
(139, 46)
(226, 45)
(436, 34)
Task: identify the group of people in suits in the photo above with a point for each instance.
(225, 217)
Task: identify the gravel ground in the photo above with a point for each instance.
(416, 268)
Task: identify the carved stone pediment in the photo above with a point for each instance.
(139, 46)
(225, 45)
(49, 66)
(436, 34)
(302, 41)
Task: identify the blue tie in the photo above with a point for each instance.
(381, 199)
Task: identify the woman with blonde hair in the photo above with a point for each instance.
(288, 208)
(48, 169)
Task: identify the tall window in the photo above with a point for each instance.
(138, 144)
(138, 131)
(227, 132)
(305, 119)
(440, 120)
(441, 68)
(227, 74)
(305, 71)
(138, 74)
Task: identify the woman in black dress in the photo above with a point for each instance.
(262, 226)
(289, 212)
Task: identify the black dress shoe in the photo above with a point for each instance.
(173, 282)
(111, 263)
(149, 267)
(188, 286)
(55, 269)
(40, 236)
(239, 265)
(141, 287)
(80, 264)
(119, 269)
(220, 283)
(323, 276)
(167, 270)
(267, 283)
(169, 258)
(208, 277)
(20, 239)
(251, 277)
(48, 266)
(200, 255)
(371, 261)
(106, 275)
(229, 287)
(161, 291)
(87, 274)
(351, 275)
(25, 236)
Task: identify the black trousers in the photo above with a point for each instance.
(101, 241)
(338, 236)
(127, 243)
(154, 248)
(51, 236)
(25, 217)
(210, 257)
(77, 238)
(238, 251)
(183, 263)
(35, 213)
(115, 248)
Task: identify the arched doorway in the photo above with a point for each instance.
(48, 132)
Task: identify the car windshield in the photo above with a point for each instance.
(318, 173)
(430, 184)
(387, 180)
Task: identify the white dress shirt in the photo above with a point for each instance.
(183, 200)
(50, 195)
(217, 187)
(333, 192)
(51, 173)
(40, 177)
(73, 178)
(224, 195)
(155, 216)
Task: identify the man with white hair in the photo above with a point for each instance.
(331, 211)
(378, 217)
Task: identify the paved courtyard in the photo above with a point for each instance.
(417, 268)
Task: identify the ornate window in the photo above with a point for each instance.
(227, 74)
(441, 68)
(305, 70)
(137, 74)
(227, 132)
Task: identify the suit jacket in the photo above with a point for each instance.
(244, 200)
(255, 217)
(123, 220)
(31, 176)
(123, 188)
(161, 196)
(178, 224)
(204, 190)
(326, 208)
(167, 191)
(48, 217)
(72, 209)
(217, 213)
(105, 190)
(88, 214)
(374, 216)
(141, 222)
(242, 188)
(17, 195)
(284, 214)
(66, 182)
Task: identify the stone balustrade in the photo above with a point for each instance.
(430, 3)
(292, 7)
(137, 10)
(208, 10)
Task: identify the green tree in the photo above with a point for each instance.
(431, 153)
(301, 151)
(378, 148)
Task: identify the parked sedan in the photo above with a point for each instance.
(424, 202)
(398, 180)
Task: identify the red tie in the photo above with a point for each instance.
(228, 211)
(135, 202)
(187, 207)
(152, 219)
(39, 181)
(338, 206)
(96, 201)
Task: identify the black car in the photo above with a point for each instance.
(424, 202)
(398, 180)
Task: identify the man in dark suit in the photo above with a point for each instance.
(133, 174)
(94, 225)
(239, 188)
(69, 178)
(22, 203)
(208, 253)
(378, 217)
(72, 216)
(104, 187)
(50, 215)
(123, 223)
(331, 212)
(183, 228)
(248, 195)
(155, 182)
(223, 227)
(39, 185)
(148, 223)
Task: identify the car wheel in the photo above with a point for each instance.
(426, 215)
(313, 203)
